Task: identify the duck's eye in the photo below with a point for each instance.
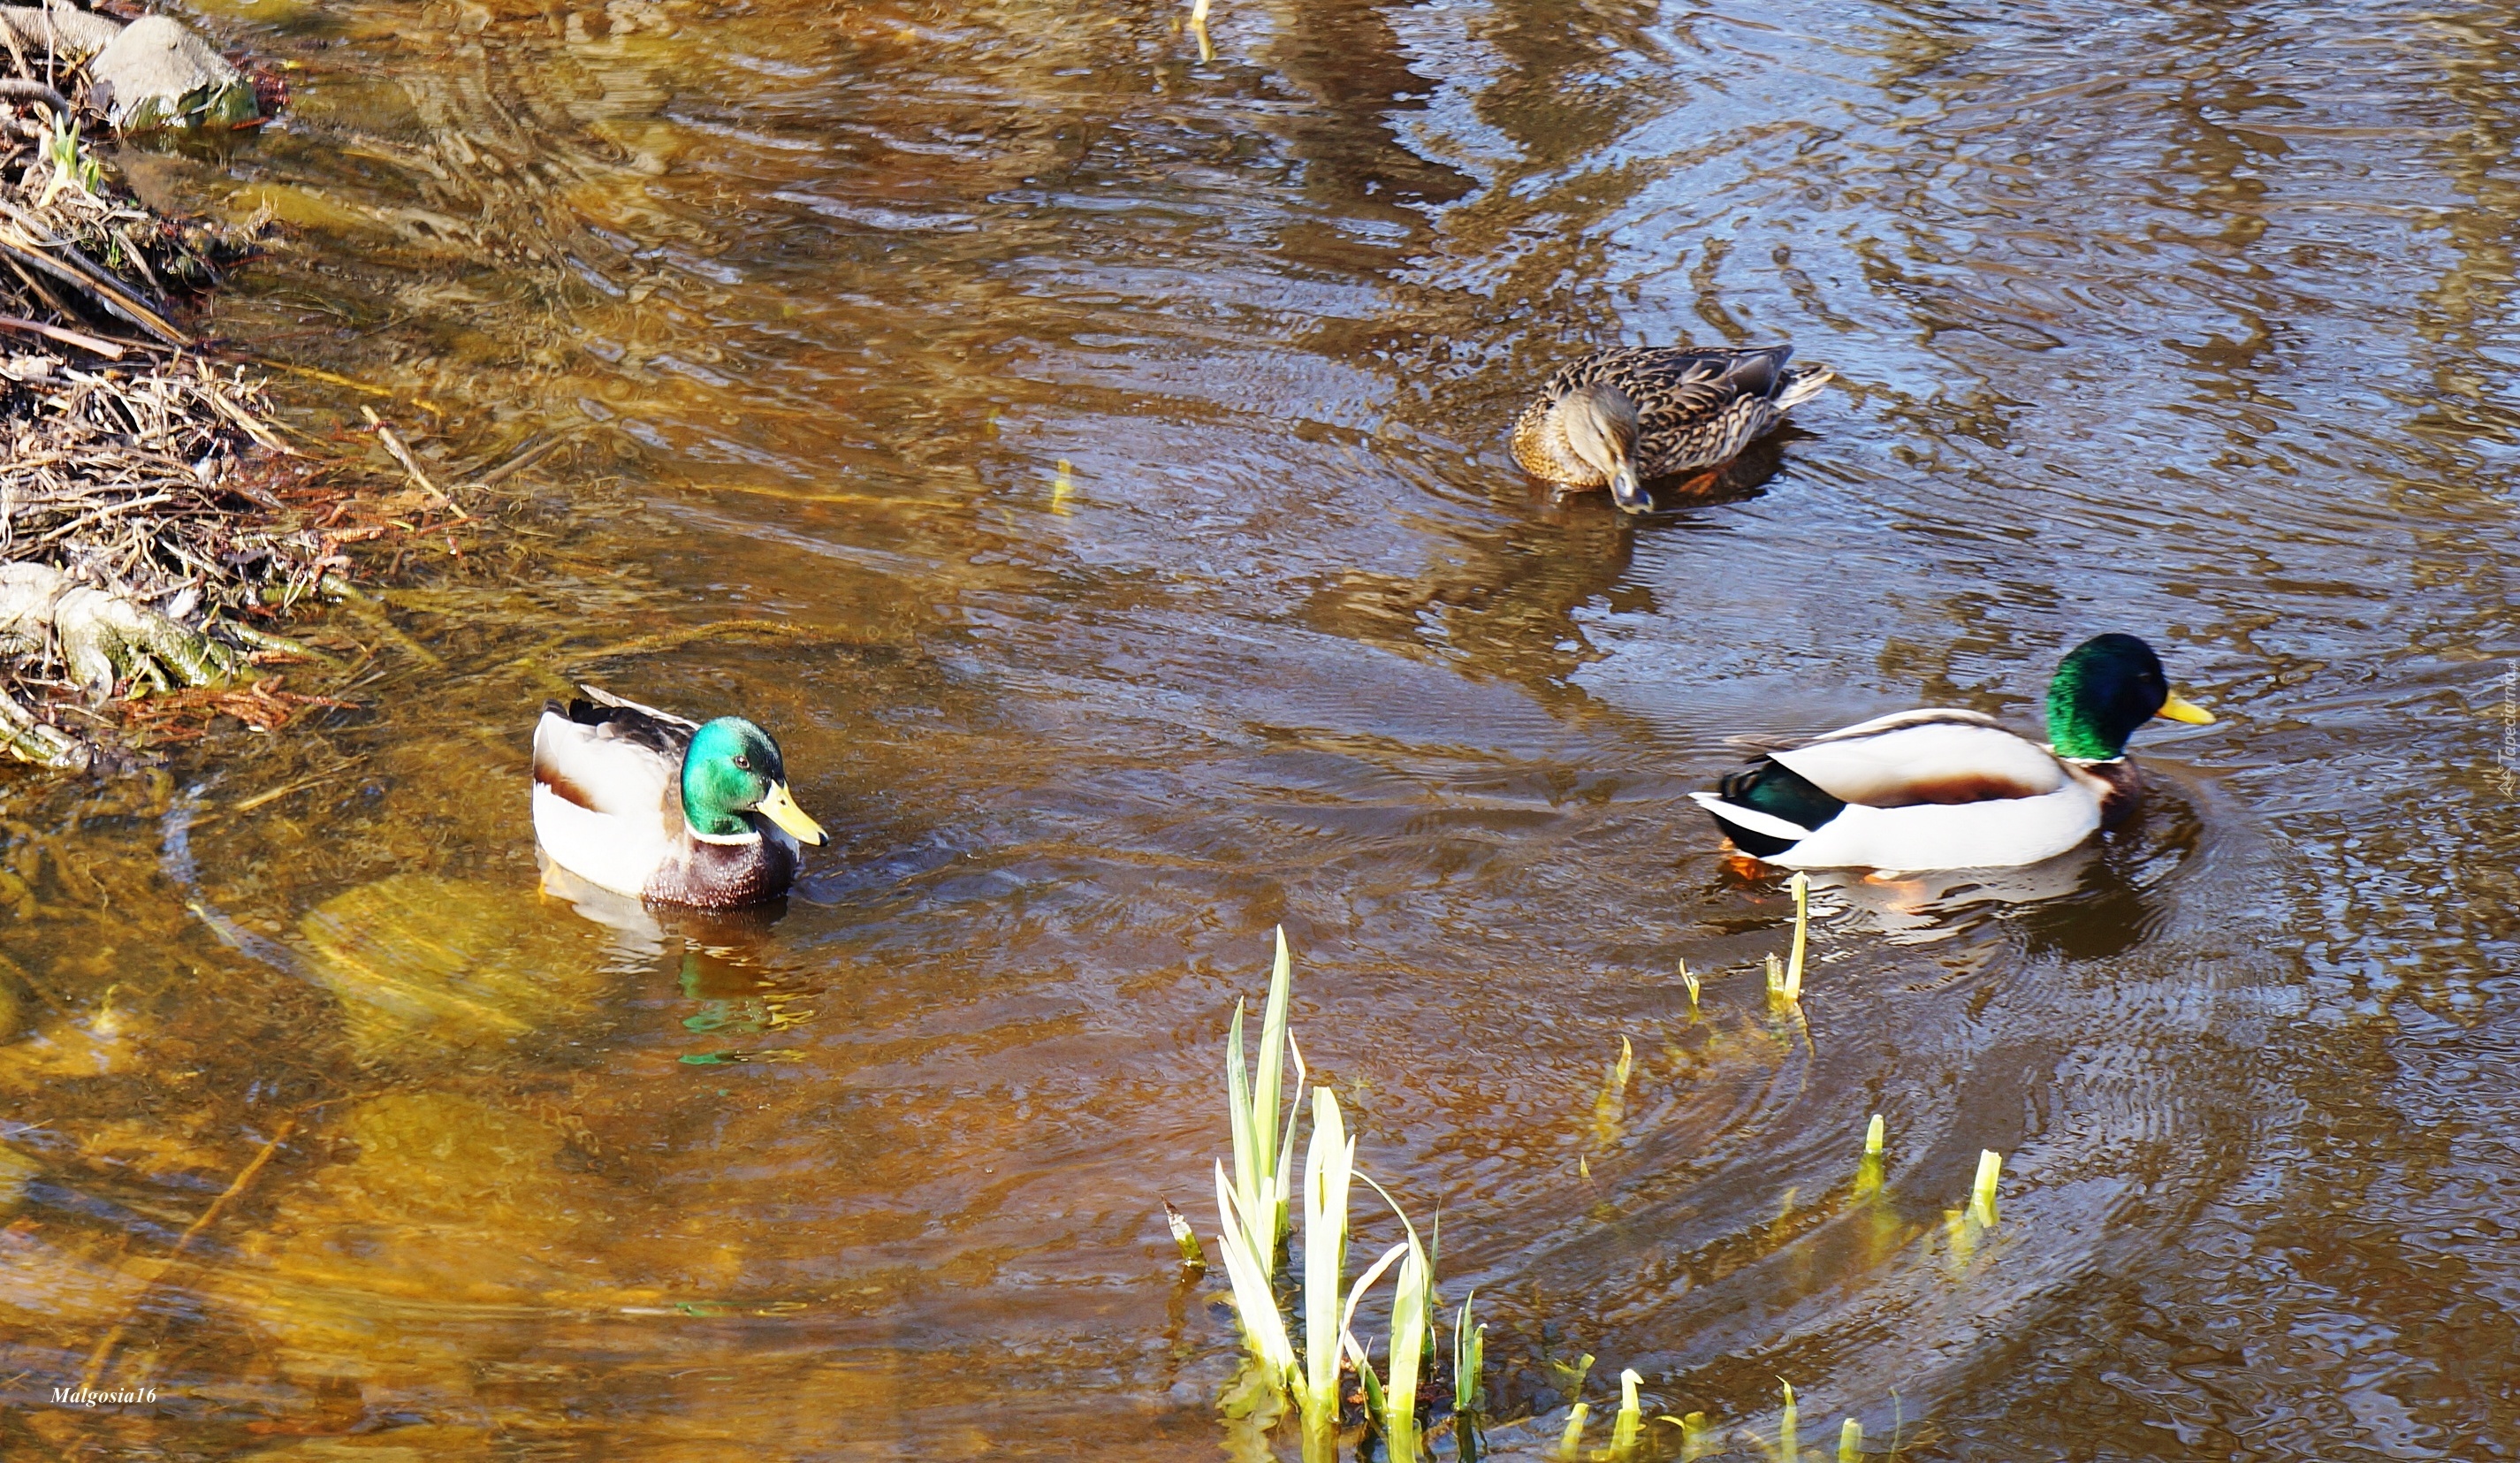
(743, 762)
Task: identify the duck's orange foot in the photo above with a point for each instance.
(1907, 895)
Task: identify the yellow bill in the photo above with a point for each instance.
(778, 805)
(2176, 709)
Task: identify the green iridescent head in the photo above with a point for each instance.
(733, 768)
(2105, 688)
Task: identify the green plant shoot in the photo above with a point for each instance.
(1850, 1441)
(1255, 1304)
(72, 167)
(1990, 1167)
(1802, 935)
(1631, 1419)
(1570, 1443)
(1408, 1349)
(1185, 1238)
(1694, 1442)
(1789, 1442)
(1469, 1363)
(1260, 1158)
(1330, 1163)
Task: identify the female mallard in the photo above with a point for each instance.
(646, 804)
(1954, 789)
(1625, 417)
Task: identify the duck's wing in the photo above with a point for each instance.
(612, 756)
(1656, 373)
(1919, 757)
(1920, 789)
(1751, 372)
(607, 699)
(1672, 384)
(608, 801)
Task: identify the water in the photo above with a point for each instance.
(2198, 325)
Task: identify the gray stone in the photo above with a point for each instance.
(154, 73)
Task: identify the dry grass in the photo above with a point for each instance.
(137, 466)
(145, 482)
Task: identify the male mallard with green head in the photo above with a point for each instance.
(1954, 789)
(647, 804)
(1623, 417)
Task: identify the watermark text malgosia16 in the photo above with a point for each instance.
(85, 1396)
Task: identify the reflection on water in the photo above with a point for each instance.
(2192, 323)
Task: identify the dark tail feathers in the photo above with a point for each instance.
(1771, 786)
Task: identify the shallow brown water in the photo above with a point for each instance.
(2196, 322)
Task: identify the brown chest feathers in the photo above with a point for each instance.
(723, 876)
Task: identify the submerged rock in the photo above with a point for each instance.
(16, 1170)
(45, 1287)
(427, 1443)
(430, 1158)
(425, 966)
(456, 1221)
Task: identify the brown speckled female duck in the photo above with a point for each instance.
(1624, 417)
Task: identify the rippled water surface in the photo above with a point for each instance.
(1112, 441)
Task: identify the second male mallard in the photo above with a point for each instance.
(1622, 418)
(1954, 789)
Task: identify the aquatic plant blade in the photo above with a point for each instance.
(1268, 1089)
(1631, 1419)
(1329, 1163)
(1255, 1305)
(1287, 1142)
(1694, 1431)
(1408, 1349)
(1470, 1362)
(1367, 1380)
(1355, 1293)
(1850, 1441)
(1185, 1238)
(1401, 1215)
(1570, 1443)
(1267, 1079)
(1238, 1106)
(1802, 935)
(1990, 1169)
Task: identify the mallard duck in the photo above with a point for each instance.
(645, 803)
(1954, 789)
(1625, 417)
